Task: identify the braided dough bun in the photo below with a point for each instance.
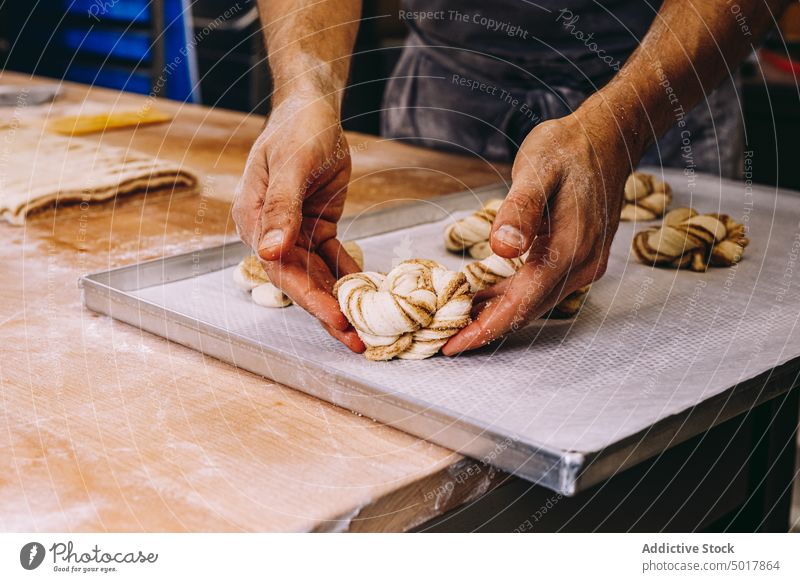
(493, 269)
(645, 198)
(251, 277)
(412, 311)
(688, 240)
(408, 313)
(471, 234)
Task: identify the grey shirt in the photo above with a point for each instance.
(477, 76)
(581, 41)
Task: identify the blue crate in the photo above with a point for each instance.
(107, 34)
(118, 44)
(137, 11)
(111, 77)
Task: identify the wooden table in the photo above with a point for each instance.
(108, 428)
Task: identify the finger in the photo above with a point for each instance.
(248, 200)
(548, 265)
(578, 278)
(320, 272)
(497, 317)
(349, 338)
(281, 214)
(295, 280)
(504, 313)
(493, 291)
(337, 258)
(521, 213)
(477, 308)
(313, 265)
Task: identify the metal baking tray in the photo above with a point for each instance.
(655, 357)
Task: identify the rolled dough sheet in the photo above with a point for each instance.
(39, 170)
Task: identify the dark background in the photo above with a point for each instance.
(233, 73)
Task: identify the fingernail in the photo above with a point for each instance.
(508, 235)
(273, 238)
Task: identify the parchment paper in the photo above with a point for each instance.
(649, 343)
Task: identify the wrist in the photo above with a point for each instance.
(308, 80)
(617, 120)
(304, 107)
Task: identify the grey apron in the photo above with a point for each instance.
(476, 77)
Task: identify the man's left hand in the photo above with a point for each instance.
(564, 205)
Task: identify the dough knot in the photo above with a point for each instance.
(471, 234)
(494, 268)
(491, 270)
(688, 240)
(645, 197)
(409, 312)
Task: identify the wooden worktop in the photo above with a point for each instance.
(108, 428)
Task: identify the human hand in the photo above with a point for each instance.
(564, 205)
(289, 201)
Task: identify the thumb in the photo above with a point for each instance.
(521, 213)
(281, 215)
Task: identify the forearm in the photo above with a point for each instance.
(690, 48)
(309, 44)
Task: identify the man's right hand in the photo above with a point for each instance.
(289, 201)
